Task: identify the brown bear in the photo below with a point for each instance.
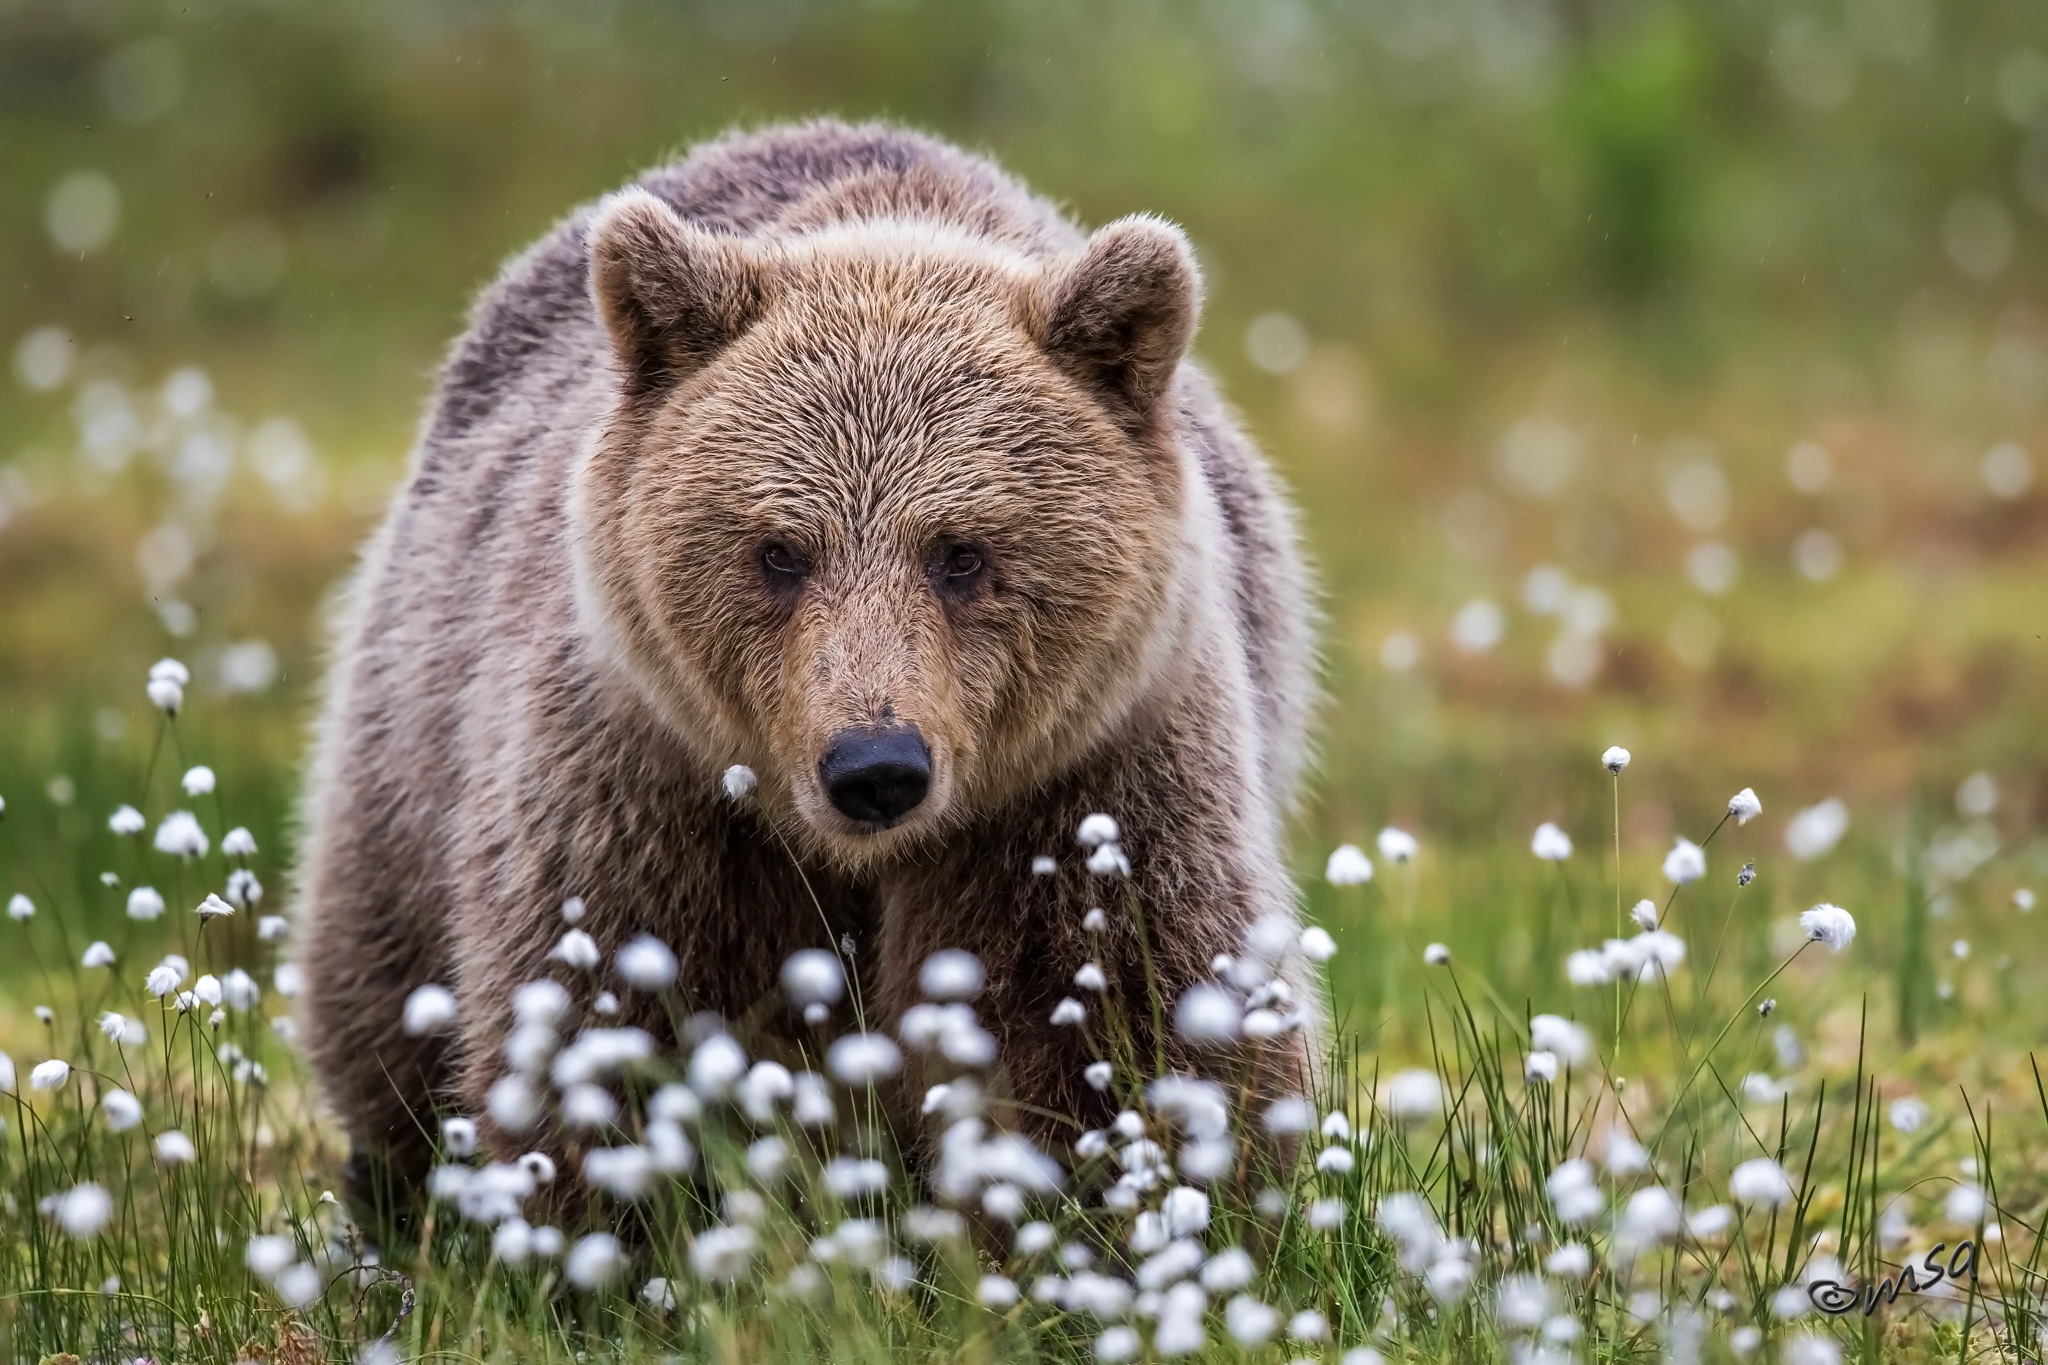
(833, 452)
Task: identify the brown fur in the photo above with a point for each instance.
(866, 346)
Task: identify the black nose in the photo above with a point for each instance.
(876, 776)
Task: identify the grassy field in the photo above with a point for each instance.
(1664, 377)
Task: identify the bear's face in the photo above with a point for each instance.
(868, 520)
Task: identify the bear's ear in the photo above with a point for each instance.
(671, 294)
(1120, 318)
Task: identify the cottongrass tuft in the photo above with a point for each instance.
(1437, 954)
(429, 1009)
(1686, 862)
(1745, 806)
(739, 782)
(1397, 845)
(1829, 924)
(1550, 843)
(1614, 759)
(1348, 866)
(1760, 1180)
(84, 1210)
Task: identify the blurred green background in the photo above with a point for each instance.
(1648, 373)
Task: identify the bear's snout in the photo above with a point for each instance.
(876, 776)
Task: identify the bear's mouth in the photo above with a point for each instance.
(876, 776)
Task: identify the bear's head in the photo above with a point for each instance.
(886, 510)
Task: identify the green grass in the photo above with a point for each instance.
(1668, 1061)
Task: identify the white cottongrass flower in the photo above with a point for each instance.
(623, 1172)
(594, 1261)
(1760, 1180)
(1108, 861)
(997, 1293)
(198, 780)
(1521, 1302)
(126, 820)
(1207, 1016)
(1414, 1094)
(717, 1063)
(1095, 921)
(1587, 967)
(1397, 845)
(1540, 1066)
(1043, 866)
(647, 963)
(166, 695)
(288, 980)
(429, 1009)
(299, 1285)
(1965, 1204)
(1710, 1221)
(1644, 914)
(49, 1075)
(1116, 1345)
(721, 1254)
(145, 903)
(1098, 829)
(1614, 759)
(1230, 1268)
(1686, 862)
(273, 928)
(1574, 1192)
(163, 978)
(1550, 843)
(739, 782)
(1090, 977)
(1809, 1348)
(98, 953)
(573, 910)
(1650, 1216)
(863, 1058)
(1908, 1113)
(1325, 1215)
(1744, 806)
(213, 907)
(1335, 1160)
(1098, 1075)
(1555, 1033)
(83, 1210)
(122, 1030)
(1250, 1322)
(1348, 866)
(1829, 924)
(1437, 954)
(207, 989)
(244, 890)
(659, 1294)
(951, 974)
(173, 1148)
(1317, 945)
(578, 950)
(20, 907)
(268, 1254)
(1814, 831)
(813, 976)
(1308, 1325)
(1336, 1126)
(1069, 1013)
(180, 836)
(1289, 1115)
(239, 990)
(458, 1137)
(238, 843)
(1569, 1262)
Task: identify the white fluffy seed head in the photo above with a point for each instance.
(1348, 866)
(126, 820)
(1829, 924)
(1550, 843)
(1614, 759)
(647, 963)
(1208, 1016)
(1397, 845)
(1437, 954)
(813, 976)
(951, 974)
(144, 903)
(1686, 862)
(1097, 830)
(198, 780)
(578, 950)
(1317, 945)
(739, 782)
(1745, 806)
(429, 1009)
(860, 1059)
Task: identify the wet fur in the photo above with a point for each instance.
(554, 645)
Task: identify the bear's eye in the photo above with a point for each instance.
(961, 561)
(958, 571)
(785, 567)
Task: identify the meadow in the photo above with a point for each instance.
(1665, 377)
